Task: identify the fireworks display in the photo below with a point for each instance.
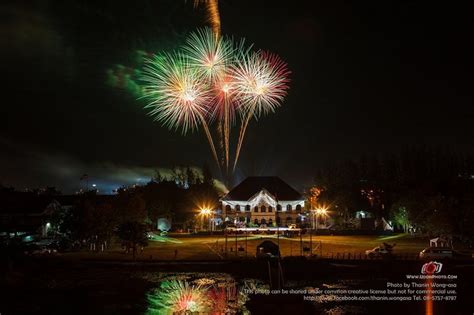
(208, 54)
(178, 95)
(214, 79)
(261, 79)
(179, 98)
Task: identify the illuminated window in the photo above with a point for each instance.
(288, 208)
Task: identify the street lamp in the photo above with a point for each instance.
(205, 212)
(321, 211)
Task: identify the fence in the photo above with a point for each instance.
(363, 256)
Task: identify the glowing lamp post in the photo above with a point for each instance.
(205, 212)
(317, 213)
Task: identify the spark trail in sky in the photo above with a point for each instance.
(177, 95)
(261, 83)
(214, 79)
(213, 15)
(212, 56)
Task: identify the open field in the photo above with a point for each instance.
(213, 247)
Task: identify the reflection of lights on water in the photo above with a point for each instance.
(180, 294)
(177, 296)
(429, 297)
(204, 282)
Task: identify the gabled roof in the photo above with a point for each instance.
(262, 192)
(254, 184)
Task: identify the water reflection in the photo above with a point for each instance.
(220, 293)
(429, 297)
(191, 293)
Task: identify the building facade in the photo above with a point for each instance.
(263, 201)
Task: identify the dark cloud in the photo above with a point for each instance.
(24, 166)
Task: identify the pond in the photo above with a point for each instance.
(65, 288)
(220, 293)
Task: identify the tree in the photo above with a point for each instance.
(399, 214)
(98, 221)
(133, 234)
(179, 175)
(207, 175)
(130, 206)
(91, 217)
(158, 177)
(190, 176)
(313, 196)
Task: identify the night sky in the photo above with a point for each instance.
(367, 78)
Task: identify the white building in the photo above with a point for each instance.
(263, 200)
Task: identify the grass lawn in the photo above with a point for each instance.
(213, 247)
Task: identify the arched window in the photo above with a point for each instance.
(270, 221)
(288, 208)
(255, 221)
(278, 208)
(270, 209)
(247, 208)
(263, 221)
(227, 208)
(263, 209)
(237, 208)
(255, 209)
(298, 208)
